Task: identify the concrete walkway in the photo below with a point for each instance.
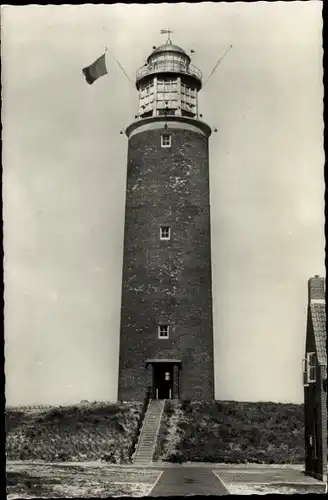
(184, 481)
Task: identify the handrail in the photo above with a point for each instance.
(175, 67)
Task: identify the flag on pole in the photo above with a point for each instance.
(95, 70)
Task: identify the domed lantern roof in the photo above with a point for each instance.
(168, 47)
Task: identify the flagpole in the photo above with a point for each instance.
(120, 66)
(217, 64)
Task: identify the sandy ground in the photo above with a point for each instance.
(269, 480)
(267, 489)
(58, 481)
(32, 479)
(252, 489)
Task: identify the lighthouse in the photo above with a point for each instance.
(166, 331)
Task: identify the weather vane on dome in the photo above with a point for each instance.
(168, 33)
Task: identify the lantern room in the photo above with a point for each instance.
(168, 84)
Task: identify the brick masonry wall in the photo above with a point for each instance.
(167, 281)
(316, 288)
(322, 418)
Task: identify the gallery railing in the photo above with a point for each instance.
(169, 66)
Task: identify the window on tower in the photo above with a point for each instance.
(165, 141)
(165, 233)
(163, 331)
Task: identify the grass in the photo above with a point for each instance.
(198, 431)
(84, 432)
(232, 432)
(163, 437)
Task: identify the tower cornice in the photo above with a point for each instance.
(168, 123)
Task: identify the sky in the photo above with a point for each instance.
(64, 189)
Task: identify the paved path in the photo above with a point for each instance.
(183, 481)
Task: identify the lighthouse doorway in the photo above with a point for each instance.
(162, 380)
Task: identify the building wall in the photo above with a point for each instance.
(315, 418)
(167, 281)
(309, 399)
(322, 422)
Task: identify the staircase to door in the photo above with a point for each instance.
(149, 431)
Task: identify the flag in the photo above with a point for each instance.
(95, 70)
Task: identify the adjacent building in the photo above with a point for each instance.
(315, 381)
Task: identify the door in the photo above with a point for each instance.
(162, 381)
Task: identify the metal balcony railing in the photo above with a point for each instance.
(168, 66)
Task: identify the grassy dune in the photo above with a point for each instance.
(198, 431)
(84, 432)
(231, 432)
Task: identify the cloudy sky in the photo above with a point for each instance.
(64, 188)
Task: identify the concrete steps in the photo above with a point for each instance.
(149, 431)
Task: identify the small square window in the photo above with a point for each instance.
(166, 141)
(165, 233)
(163, 332)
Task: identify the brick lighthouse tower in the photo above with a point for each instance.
(166, 337)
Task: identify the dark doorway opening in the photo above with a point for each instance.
(162, 380)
